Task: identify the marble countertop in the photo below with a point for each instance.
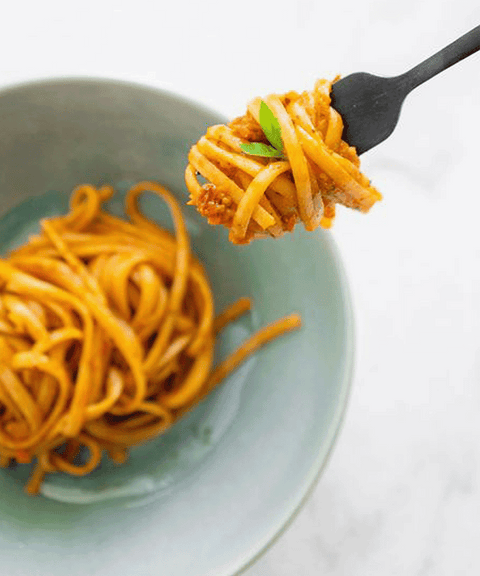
(401, 493)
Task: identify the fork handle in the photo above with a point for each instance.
(466, 45)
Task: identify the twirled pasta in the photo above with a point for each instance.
(107, 335)
(256, 197)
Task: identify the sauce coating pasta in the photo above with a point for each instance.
(256, 197)
(107, 335)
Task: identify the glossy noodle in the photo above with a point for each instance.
(107, 334)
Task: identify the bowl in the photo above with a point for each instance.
(207, 497)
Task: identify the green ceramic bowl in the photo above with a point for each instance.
(210, 495)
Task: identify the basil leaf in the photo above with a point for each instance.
(270, 126)
(260, 149)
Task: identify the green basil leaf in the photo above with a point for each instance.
(270, 126)
(260, 149)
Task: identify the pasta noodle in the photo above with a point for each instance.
(255, 196)
(107, 335)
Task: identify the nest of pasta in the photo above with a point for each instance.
(107, 335)
(256, 197)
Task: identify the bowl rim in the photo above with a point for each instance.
(311, 480)
(88, 79)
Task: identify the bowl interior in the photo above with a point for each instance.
(206, 497)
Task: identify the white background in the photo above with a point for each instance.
(401, 493)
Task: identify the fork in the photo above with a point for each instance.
(370, 105)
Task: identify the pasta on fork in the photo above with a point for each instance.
(267, 191)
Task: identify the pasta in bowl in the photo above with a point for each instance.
(184, 499)
(93, 282)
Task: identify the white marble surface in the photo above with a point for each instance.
(401, 493)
